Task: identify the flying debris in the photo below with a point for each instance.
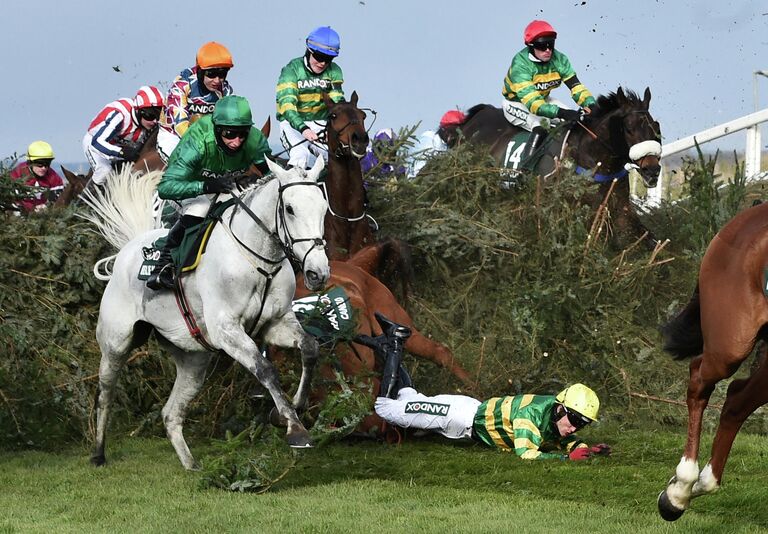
(116, 68)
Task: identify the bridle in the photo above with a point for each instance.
(286, 243)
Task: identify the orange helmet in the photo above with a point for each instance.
(538, 28)
(212, 55)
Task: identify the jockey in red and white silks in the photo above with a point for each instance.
(120, 129)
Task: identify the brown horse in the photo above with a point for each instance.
(619, 132)
(75, 185)
(346, 224)
(719, 327)
(367, 295)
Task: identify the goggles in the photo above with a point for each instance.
(320, 57)
(149, 114)
(576, 419)
(41, 162)
(220, 73)
(235, 133)
(544, 44)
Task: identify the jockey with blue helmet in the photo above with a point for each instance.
(300, 108)
(535, 71)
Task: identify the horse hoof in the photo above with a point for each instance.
(98, 460)
(300, 440)
(275, 419)
(667, 510)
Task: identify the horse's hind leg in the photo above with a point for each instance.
(190, 374)
(109, 370)
(744, 397)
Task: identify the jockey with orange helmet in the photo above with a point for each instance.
(120, 129)
(194, 93)
(38, 173)
(300, 108)
(535, 71)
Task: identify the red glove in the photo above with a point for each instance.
(601, 449)
(581, 453)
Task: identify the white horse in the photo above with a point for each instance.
(242, 288)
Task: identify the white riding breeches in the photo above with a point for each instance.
(166, 143)
(100, 162)
(519, 115)
(449, 415)
(302, 153)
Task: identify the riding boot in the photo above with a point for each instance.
(162, 276)
(534, 141)
(389, 346)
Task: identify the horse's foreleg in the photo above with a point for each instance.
(674, 500)
(420, 345)
(288, 333)
(235, 342)
(109, 369)
(743, 398)
(190, 374)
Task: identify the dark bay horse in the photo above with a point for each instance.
(346, 224)
(620, 132)
(368, 295)
(726, 316)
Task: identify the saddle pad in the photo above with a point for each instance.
(328, 316)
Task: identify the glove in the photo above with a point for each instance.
(601, 449)
(570, 115)
(581, 453)
(216, 186)
(130, 153)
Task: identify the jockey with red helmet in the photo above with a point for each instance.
(535, 71)
(432, 142)
(120, 129)
(194, 93)
(300, 108)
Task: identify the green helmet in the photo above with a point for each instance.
(232, 111)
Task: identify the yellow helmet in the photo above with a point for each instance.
(39, 150)
(581, 399)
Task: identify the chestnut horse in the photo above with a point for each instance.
(346, 224)
(368, 295)
(75, 185)
(620, 132)
(726, 316)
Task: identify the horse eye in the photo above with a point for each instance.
(333, 116)
(289, 209)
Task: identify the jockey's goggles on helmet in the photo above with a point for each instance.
(576, 419)
(220, 73)
(320, 57)
(42, 162)
(544, 44)
(150, 114)
(234, 133)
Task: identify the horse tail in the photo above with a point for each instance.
(122, 210)
(682, 334)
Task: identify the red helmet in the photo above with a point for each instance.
(538, 28)
(452, 118)
(148, 96)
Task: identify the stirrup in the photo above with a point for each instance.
(162, 278)
(392, 329)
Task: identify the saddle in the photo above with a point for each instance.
(186, 257)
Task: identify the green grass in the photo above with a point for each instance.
(424, 485)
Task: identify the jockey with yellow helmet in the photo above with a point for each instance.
(217, 150)
(37, 172)
(300, 108)
(535, 71)
(194, 93)
(120, 129)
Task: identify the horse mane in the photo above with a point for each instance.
(607, 104)
(474, 110)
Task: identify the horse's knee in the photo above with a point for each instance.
(310, 348)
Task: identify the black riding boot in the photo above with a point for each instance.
(162, 276)
(389, 346)
(534, 141)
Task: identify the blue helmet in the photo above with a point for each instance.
(324, 40)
